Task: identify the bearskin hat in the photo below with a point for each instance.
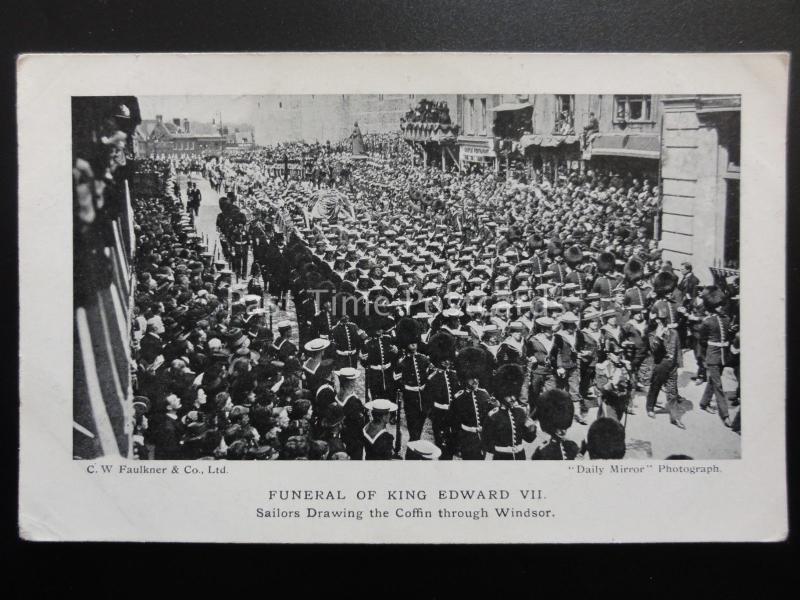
(508, 381)
(664, 283)
(554, 249)
(441, 347)
(606, 262)
(555, 411)
(573, 255)
(407, 332)
(606, 439)
(634, 270)
(535, 242)
(471, 364)
(714, 300)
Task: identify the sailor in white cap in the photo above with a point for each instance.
(354, 413)
(282, 346)
(422, 450)
(314, 350)
(378, 442)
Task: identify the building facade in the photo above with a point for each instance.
(177, 138)
(700, 170)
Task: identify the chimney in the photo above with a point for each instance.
(177, 123)
(159, 118)
(186, 126)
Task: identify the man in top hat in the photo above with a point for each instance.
(540, 350)
(566, 347)
(508, 425)
(411, 375)
(422, 450)
(471, 405)
(378, 442)
(716, 334)
(440, 389)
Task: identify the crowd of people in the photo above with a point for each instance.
(443, 315)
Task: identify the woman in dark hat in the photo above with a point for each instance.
(509, 426)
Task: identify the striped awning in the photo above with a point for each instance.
(639, 145)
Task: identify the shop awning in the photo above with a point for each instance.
(546, 141)
(644, 145)
(511, 106)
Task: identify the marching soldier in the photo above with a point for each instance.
(347, 338)
(716, 334)
(471, 405)
(666, 349)
(440, 389)
(540, 349)
(378, 356)
(411, 375)
(566, 347)
(508, 425)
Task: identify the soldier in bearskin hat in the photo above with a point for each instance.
(636, 291)
(716, 333)
(573, 256)
(440, 390)
(607, 279)
(378, 355)
(555, 413)
(558, 267)
(348, 339)
(471, 404)
(667, 358)
(508, 425)
(411, 375)
(664, 284)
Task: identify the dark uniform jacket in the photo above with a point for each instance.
(566, 350)
(560, 270)
(322, 323)
(379, 447)
(470, 409)
(605, 284)
(500, 437)
(347, 338)
(543, 353)
(412, 370)
(440, 388)
(715, 333)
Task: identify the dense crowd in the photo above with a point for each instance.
(489, 312)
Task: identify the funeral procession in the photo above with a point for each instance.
(406, 277)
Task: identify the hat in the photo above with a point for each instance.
(347, 373)
(555, 411)
(407, 332)
(634, 308)
(451, 312)
(379, 405)
(573, 256)
(422, 450)
(516, 326)
(284, 325)
(546, 322)
(316, 345)
(664, 283)
(471, 364)
(569, 317)
(634, 270)
(606, 262)
(141, 404)
(606, 439)
(714, 300)
(441, 347)
(508, 381)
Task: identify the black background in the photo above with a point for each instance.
(150, 570)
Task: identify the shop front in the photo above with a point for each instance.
(478, 150)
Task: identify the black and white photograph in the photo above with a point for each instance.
(419, 276)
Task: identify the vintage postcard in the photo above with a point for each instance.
(568, 266)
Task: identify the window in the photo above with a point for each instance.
(565, 115)
(632, 108)
(483, 116)
(471, 115)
